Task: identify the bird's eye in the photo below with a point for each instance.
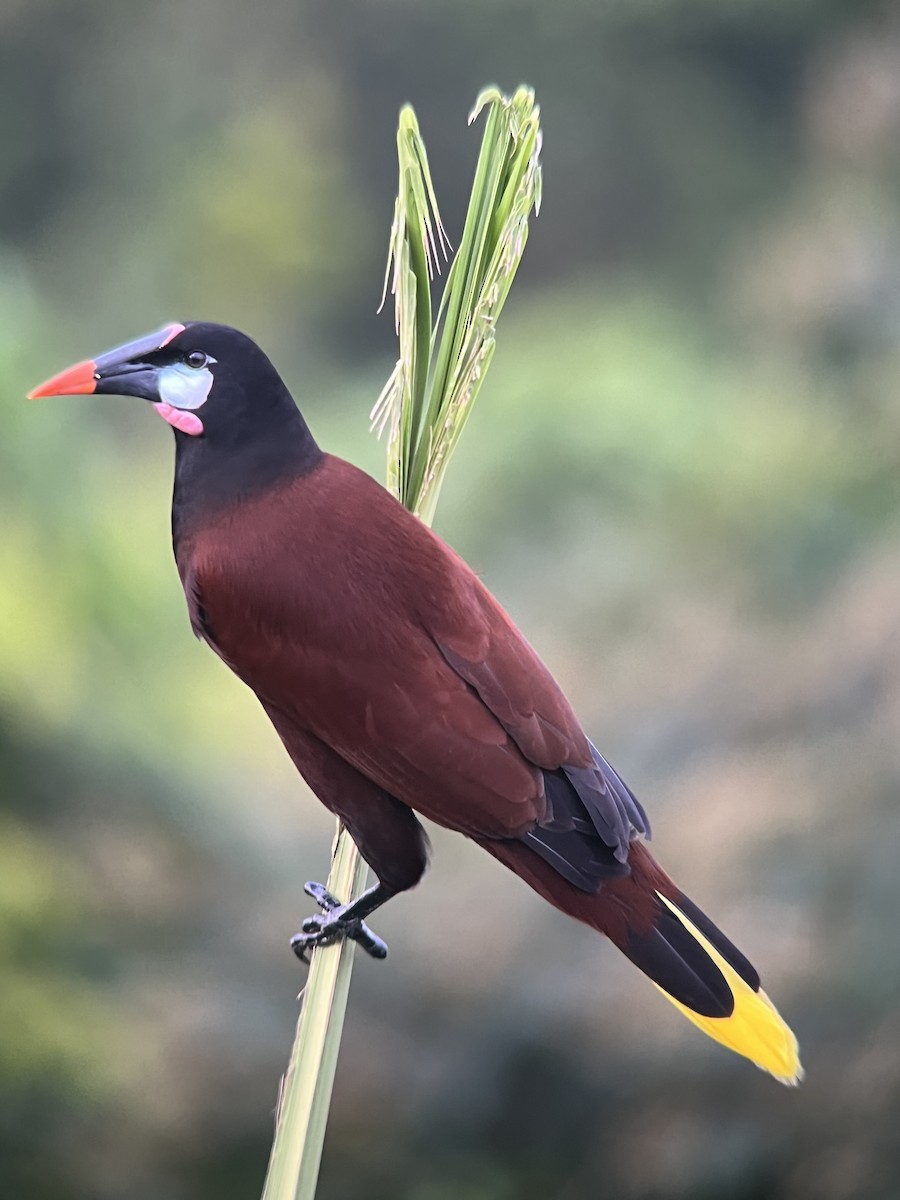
(196, 359)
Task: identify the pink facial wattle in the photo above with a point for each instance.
(178, 418)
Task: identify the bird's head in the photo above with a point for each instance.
(207, 381)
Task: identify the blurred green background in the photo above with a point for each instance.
(681, 480)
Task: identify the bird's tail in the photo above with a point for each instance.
(677, 946)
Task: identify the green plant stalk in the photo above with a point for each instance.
(427, 401)
(427, 417)
(306, 1088)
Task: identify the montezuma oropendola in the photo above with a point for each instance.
(397, 683)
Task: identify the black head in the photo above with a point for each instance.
(208, 381)
(236, 425)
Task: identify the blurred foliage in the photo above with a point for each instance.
(681, 480)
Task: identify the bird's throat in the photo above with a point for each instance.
(210, 478)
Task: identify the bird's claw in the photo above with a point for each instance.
(333, 926)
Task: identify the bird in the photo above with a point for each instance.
(399, 686)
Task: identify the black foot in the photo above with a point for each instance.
(333, 926)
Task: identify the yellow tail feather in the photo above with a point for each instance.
(755, 1027)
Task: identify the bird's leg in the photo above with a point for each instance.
(341, 921)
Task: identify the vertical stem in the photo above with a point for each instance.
(306, 1088)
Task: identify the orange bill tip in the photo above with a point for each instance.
(74, 381)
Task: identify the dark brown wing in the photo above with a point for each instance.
(585, 795)
(363, 629)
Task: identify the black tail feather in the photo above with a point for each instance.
(672, 957)
(727, 949)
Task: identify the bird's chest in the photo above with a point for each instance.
(305, 630)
